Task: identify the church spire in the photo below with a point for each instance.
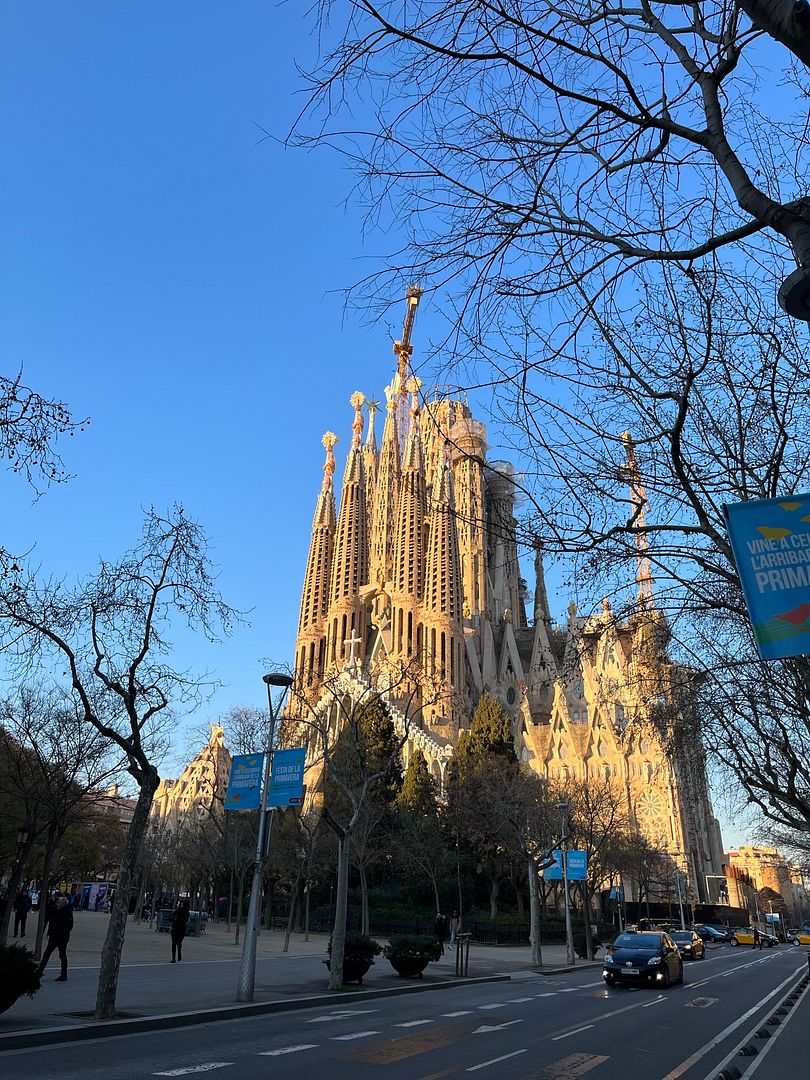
(309, 652)
(350, 560)
(386, 497)
(409, 543)
(638, 525)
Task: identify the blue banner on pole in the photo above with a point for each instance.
(287, 779)
(245, 782)
(577, 866)
(770, 539)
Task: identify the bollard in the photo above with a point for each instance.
(462, 954)
(808, 960)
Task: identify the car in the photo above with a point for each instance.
(799, 937)
(649, 956)
(712, 935)
(720, 933)
(744, 935)
(689, 943)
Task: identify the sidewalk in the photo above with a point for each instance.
(154, 993)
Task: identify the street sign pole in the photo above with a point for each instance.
(247, 967)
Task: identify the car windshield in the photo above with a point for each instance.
(638, 941)
(681, 935)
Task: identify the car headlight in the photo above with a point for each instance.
(655, 960)
(608, 959)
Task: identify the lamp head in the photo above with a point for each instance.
(277, 678)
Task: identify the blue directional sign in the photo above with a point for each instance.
(245, 782)
(577, 865)
(287, 779)
(770, 539)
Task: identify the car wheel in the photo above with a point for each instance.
(795, 941)
(734, 941)
(680, 977)
(666, 981)
(610, 980)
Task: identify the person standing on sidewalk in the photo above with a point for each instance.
(22, 905)
(60, 924)
(178, 930)
(455, 923)
(440, 929)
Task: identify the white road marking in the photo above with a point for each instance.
(657, 1001)
(587, 986)
(346, 1015)
(288, 1050)
(461, 1012)
(415, 1023)
(494, 1061)
(568, 1034)
(497, 1005)
(518, 1001)
(354, 1035)
(548, 993)
(570, 990)
(195, 1068)
(486, 1028)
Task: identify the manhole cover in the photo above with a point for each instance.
(701, 1003)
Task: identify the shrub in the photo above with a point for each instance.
(358, 947)
(412, 947)
(19, 974)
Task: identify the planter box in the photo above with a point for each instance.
(353, 969)
(409, 967)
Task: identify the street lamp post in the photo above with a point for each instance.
(569, 937)
(247, 968)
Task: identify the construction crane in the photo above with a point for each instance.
(639, 505)
(403, 350)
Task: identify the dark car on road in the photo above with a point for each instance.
(648, 956)
(719, 934)
(689, 943)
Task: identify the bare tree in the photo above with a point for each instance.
(525, 147)
(107, 639)
(341, 728)
(29, 428)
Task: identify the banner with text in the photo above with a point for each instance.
(287, 777)
(245, 782)
(770, 539)
(577, 866)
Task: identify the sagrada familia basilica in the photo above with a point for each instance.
(418, 563)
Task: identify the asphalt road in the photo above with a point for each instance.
(531, 1027)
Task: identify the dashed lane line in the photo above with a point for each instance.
(288, 1050)
(354, 1035)
(207, 1067)
(415, 1023)
(494, 1005)
(519, 1001)
(650, 1004)
(568, 1034)
(494, 1061)
(461, 1012)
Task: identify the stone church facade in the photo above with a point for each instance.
(418, 562)
(201, 782)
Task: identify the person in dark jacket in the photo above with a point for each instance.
(60, 923)
(22, 905)
(178, 929)
(440, 929)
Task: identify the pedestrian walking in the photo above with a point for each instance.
(757, 939)
(22, 905)
(178, 929)
(440, 929)
(60, 924)
(455, 924)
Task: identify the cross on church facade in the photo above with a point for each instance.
(352, 642)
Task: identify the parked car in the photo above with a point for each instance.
(719, 933)
(744, 935)
(690, 944)
(799, 937)
(711, 936)
(649, 956)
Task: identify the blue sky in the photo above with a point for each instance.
(176, 277)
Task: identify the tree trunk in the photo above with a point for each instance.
(534, 915)
(521, 907)
(341, 907)
(230, 902)
(364, 920)
(293, 907)
(13, 886)
(239, 902)
(435, 884)
(117, 926)
(44, 890)
(495, 888)
(307, 891)
(586, 914)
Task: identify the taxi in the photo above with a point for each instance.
(744, 935)
(801, 937)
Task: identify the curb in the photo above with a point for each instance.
(104, 1029)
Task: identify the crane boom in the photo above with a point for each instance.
(403, 348)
